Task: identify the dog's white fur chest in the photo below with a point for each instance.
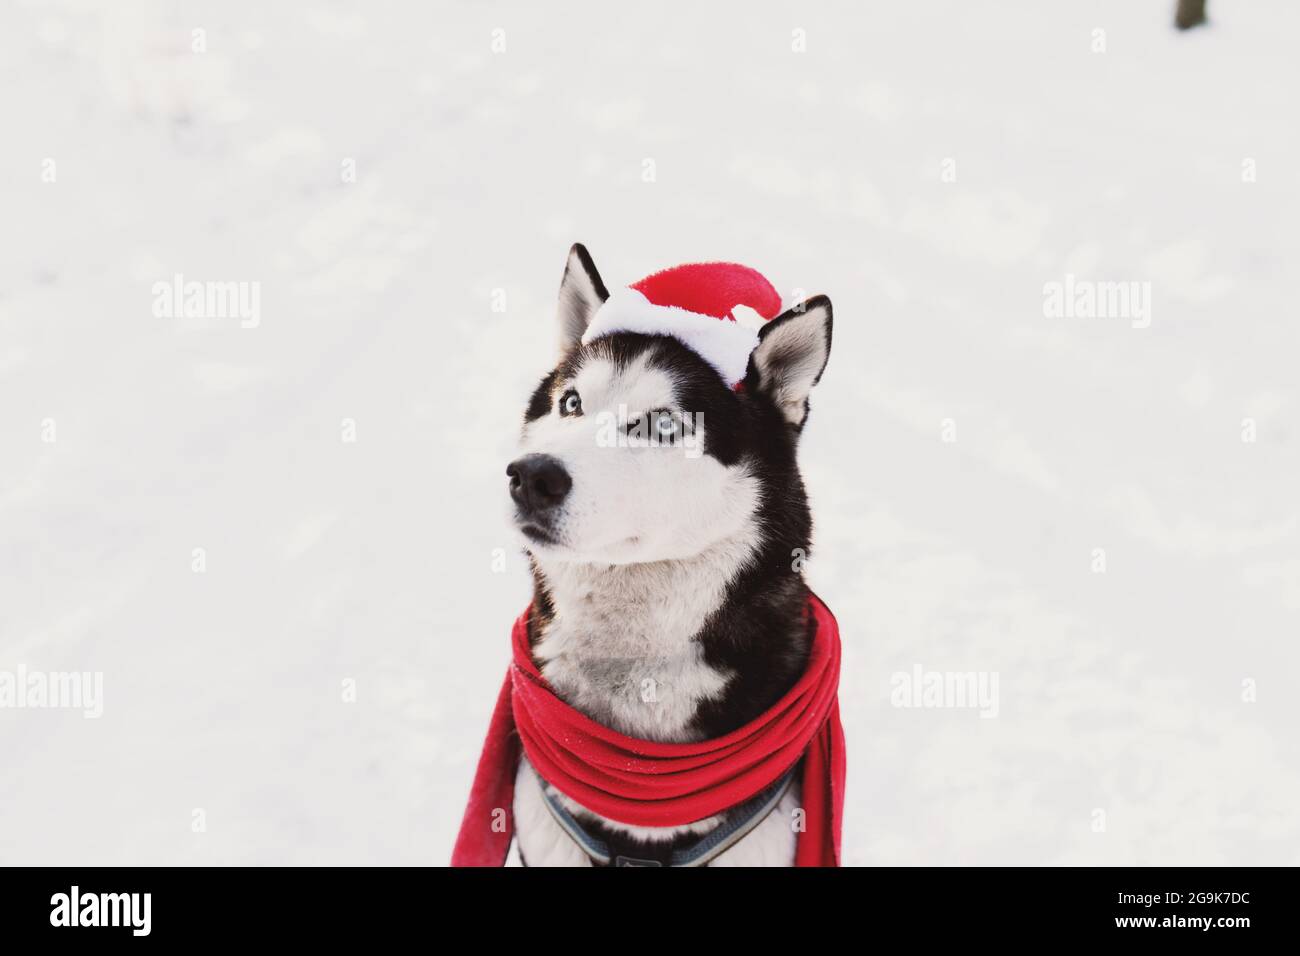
(621, 648)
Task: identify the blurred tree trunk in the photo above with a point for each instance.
(1190, 13)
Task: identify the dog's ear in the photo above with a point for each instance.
(581, 294)
(791, 354)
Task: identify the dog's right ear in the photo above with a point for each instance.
(581, 294)
(791, 355)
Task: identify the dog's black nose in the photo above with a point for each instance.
(538, 482)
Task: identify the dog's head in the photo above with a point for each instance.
(634, 448)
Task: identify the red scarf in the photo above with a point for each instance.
(645, 783)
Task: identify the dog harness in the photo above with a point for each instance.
(738, 825)
(648, 783)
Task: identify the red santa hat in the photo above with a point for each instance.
(697, 304)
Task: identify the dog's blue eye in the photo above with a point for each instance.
(570, 403)
(666, 425)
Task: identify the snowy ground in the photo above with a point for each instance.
(372, 561)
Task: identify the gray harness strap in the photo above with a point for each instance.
(738, 825)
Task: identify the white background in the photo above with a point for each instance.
(372, 561)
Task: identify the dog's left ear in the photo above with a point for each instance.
(581, 293)
(791, 355)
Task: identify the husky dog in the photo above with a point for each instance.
(667, 600)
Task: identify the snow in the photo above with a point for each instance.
(655, 138)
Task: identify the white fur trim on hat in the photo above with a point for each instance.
(722, 343)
